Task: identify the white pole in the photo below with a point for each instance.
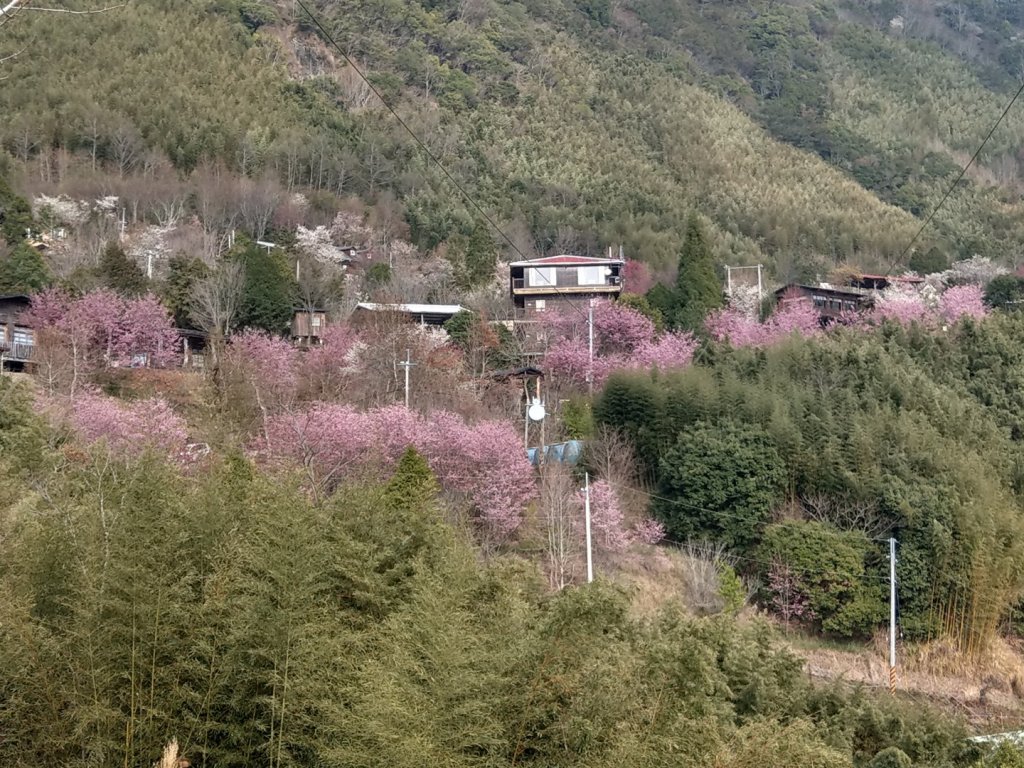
(728, 280)
(586, 511)
(760, 286)
(408, 364)
(149, 266)
(590, 346)
(892, 615)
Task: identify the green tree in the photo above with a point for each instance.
(478, 257)
(24, 271)
(182, 274)
(698, 289)
(930, 261)
(720, 482)
(269, 291)
(827, 570)
(645, 307)
(1005, 292)
(119, 272)
(15, 214)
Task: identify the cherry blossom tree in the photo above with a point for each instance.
(636, 277)
(902, 305)
(623, 339)
(129, 428)
(608, 529)
(962, 301)
(146, 332)
(100, 329)
(262, 367)
(482, 462)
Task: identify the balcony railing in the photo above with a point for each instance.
(17, 352)
(612, 283)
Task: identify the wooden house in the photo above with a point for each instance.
(308, 326)
(539, 285)
(829, 301)
(17, 339)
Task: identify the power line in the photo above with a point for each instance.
(960, 177)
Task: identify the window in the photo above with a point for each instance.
(317, 321)
(539, 305)
(590, 275)
(541, 277)
(22, 336)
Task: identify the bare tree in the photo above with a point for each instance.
(125, 147)
(257, 204)
(845, 514)
(214, 304)
(560, 513)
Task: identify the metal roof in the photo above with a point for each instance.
(566, 261)
(413, 309)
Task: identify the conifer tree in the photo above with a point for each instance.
(24, 271)
(268, 295)
(120, 273)
(698, 289)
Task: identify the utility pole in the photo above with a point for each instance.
(892, 616)
(586, 513)
(590, 346)
(760, 286)
(407, 364)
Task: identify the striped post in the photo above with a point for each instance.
(892, 680)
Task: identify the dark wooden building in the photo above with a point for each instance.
(829, 301)
(539, 285)
(17, 339)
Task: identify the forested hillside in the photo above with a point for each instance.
(809, 134)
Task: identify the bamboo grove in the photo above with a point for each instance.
(903, 432)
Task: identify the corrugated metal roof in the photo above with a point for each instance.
(413, 309)
(565, 261)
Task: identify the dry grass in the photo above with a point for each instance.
(988, 691)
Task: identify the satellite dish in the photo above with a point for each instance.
(536, 412)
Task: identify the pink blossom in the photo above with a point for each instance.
(962, 301)
(48, 308)
(268, 363)
(636, 277)
(669, 351)
(102, 329)
(620, 329)
(649, 531)
(129, 428)
(735, 327)
(484, 462)
(902, 305)
(606, 519)
(793, 317)
(146, 330)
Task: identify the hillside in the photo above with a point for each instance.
(810, 135)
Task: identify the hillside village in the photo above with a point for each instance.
(487, 384)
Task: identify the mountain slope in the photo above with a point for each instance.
(577, 124)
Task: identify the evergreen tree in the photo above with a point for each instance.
(183, 272)
(478, 257)
(931, 261)
(24, 271)
(269, 292)
(15, 214)
(1005, 292)
(698, 289)
(120, 273)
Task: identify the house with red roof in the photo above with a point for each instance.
(540, 285)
